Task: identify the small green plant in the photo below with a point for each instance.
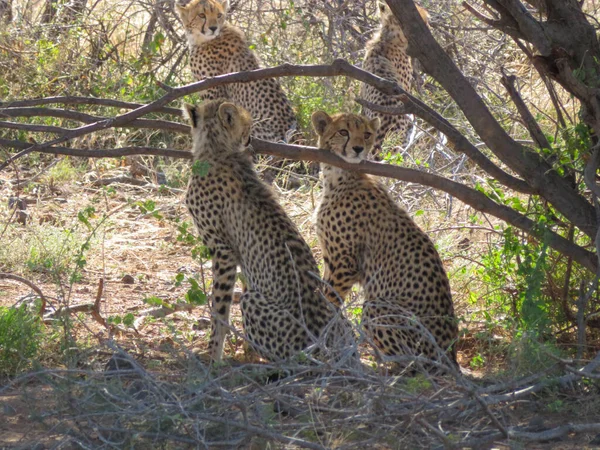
(477, 362)
(20, 332)
(127, 320)
(63, 172)
(417, 384)
(149, 207)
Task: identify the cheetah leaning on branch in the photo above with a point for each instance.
(242, 224)
(367, 239)
(387, 58)
(217, 48)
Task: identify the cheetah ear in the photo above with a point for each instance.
(229, 114)
(375, 123)
(320, 121)
(190, 112)
(382, 7)
(225, 4)
(181, 5)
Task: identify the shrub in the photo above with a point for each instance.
(20, 332)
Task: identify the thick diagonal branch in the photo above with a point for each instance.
(526, 163)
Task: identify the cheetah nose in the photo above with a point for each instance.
(213, 29)
(358, 149)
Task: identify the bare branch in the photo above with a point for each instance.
(337, 68)
(527, 164)
(459, 142)
(37, 290)
(101, 153)
(471, 197)
(68, 100)
(79, 117)
(508, 81)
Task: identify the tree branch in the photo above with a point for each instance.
(79, 117)
(528, 164)
(37, 290)
(471, 197)
(337, 68)
(72, 100)
(508, 81)
(459, 142)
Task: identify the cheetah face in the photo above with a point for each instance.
(202, 19)
(350, 136)
(219, 125)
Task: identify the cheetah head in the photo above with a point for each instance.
(218, 125)
(350, 136)
(202, 19)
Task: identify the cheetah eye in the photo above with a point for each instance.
(343, 132)
(202, 16)
(219, 15)
(368, 135)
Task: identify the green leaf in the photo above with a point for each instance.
(128, 319)
(154, 301)
(200, 168)
(196, 297)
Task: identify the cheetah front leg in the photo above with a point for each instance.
(224, 266)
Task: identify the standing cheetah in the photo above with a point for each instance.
(217, 48)
(241, 223)
(366, 238)
(387, 58)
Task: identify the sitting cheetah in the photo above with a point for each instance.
(217, 48)
(241, 223)
(387, 58)
(367, 238)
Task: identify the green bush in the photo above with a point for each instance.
(20, 332)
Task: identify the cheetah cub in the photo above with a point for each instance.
(242, 224)
(217, 48)
(367, 238)
(387, 57)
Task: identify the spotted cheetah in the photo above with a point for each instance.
(217, 48)
(387, 58)
(241, 223)
(367, 238)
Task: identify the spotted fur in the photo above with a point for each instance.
(387, 58)
(217, 48)
(367, 238)
(242, 224)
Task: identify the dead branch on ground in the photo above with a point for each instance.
(37, 290)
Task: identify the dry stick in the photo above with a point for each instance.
(79, 117)
(532, 389)
(338, 67)
(102, 153)
(471, 197)
(38, 291)
(72, 100)
(508, 81)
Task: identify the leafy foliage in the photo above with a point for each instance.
(20, 333)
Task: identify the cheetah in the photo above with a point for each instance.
(217, 48)
(367, 238)
(387, 58)
(241, 223)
